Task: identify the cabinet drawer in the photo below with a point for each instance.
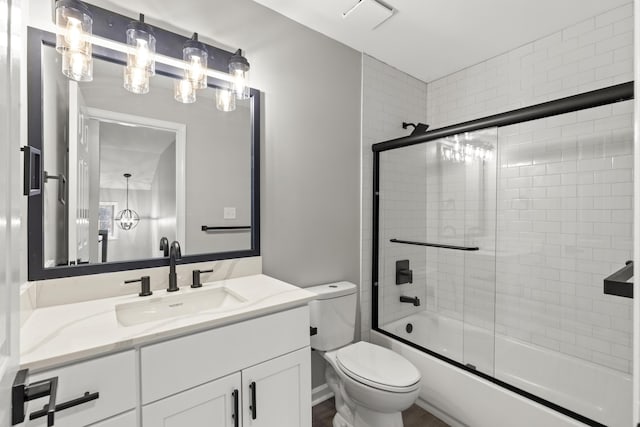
(172, 366)
(113, 377)
(128, 419)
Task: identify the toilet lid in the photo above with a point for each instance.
(378, 367)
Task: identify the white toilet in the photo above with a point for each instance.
(371, 384)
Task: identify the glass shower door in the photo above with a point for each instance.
(437, 204)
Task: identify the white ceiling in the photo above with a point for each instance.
(429, 39)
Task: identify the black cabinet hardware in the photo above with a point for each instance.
(403, 273)
(436, 245)
(145, 288)
(313, 330)
(21, 392)
(87, 397)
(228, 228)
(617, 284)
(32, 185)
(236, 413)
(254, 404)
(196, 283)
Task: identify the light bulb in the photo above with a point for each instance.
(77, 66)
(136, 80)
(196, 73)
(73, 35)
(184, 91)
(225, 100)
(143, 56)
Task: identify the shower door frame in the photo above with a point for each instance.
(609, 95)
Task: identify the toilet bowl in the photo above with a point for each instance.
(375, 383)
(371, 384)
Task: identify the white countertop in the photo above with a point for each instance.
(66, 333)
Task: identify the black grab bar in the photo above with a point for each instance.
(436, 245)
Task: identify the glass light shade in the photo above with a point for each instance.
(74, 28)
(195, 55)
(184, 91)
(239, 70)
(142, 42)
(196, 71)
(77, 66)
(136, 80)
(225, 99)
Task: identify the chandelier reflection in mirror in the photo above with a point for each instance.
(460, 150)
(127, 219)
(74, 40)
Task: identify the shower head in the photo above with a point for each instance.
(417, 128)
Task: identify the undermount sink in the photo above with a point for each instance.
(172, 305)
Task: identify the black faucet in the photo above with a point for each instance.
(164, 246)
(174, 254)
(415, 300)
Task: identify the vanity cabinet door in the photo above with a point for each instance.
(211, 404)
(278, 392)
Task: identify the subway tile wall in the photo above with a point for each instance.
(565, 217)
(589, 55)
(389, 97)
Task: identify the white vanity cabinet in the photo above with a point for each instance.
(253, 373)
(190, 381)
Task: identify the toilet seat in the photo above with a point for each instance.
(378, 367)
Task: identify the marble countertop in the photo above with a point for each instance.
(62, 334)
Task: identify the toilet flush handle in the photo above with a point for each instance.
(313, 330)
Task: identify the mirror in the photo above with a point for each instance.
(121, 171)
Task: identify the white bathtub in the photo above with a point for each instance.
(594, 391)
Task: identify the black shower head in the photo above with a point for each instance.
(417, 128)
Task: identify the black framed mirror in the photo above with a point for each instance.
(188, 171)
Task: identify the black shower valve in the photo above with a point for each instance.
(403, 273)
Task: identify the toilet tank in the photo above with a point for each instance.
(333, 312)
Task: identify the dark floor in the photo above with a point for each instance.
(415, 416)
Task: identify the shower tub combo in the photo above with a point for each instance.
(491, 242)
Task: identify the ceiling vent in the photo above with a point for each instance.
(368, 14)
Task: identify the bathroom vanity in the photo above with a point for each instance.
(245, 362)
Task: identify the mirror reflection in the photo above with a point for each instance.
(125, 170)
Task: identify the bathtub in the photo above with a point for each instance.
(462, 398)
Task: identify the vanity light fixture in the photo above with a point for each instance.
(127, 218)
(74, 26)
(195, 55)
(225, 99)
(142, 42)
(74, 40)
(239, 70)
